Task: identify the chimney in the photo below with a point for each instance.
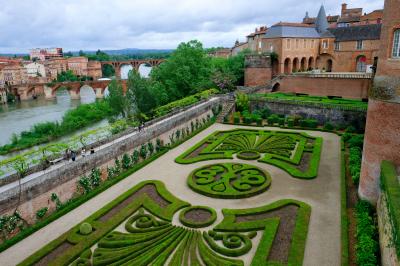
(344, 7)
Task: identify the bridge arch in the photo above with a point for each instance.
(124, 70)
(145, 69)
(107, 70)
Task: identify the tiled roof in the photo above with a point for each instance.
(282, 30)
(349, 19)
(355, 33)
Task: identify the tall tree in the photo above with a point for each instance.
(186, 71)
(116, 99)
(140, 94)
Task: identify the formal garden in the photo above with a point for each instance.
(193, 212)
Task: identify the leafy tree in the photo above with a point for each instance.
(116, 99)
(186, 71)
(68, 54)
(26, 57)
(81, 53)
(140, 94)
(107, 70)
(67, 76)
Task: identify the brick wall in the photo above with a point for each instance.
(325, 86)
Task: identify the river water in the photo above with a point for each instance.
(18, 117)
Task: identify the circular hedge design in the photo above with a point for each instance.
(248, 155)
(85, 229)
(229, 180)
(197, 216)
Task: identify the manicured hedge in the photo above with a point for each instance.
(270, 226)
(252, 180)
(101, 228)
(344, 222)
(199, 224)
(278, 147)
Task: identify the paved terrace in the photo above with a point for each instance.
(322, 193)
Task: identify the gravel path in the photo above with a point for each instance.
(323, 194)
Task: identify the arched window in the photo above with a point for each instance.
(396, 44)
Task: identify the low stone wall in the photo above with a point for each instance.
(323, 114)
(36, 192)
(388, 251)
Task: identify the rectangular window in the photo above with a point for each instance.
(325, 44)
(312, 44)
(359, 45)
(337, 46)
(396, 44)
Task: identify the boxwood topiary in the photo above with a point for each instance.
(85, 229)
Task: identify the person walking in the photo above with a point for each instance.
(73, 155)
(91, 150)
(83, 152)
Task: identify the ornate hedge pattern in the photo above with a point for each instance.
(229, 180)
(147, 235)
(295, 152)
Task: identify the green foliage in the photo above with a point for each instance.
(273, 119)
(107, 70)
(85, 229)
(135, 157)
(165, 109)
(88, 183)
(41, 212)
(391, 189)
(351, 129)
(67, 76)
(73, 120)
(355, 164)
(309, 123)
(54, 198)
(279, 149)
(242, 102)
(367, 247)
(236, 180)
(143, 151)
(118, 126)
(187, 71)
(126, 161)
(9, 223)
(313, 100)
(117, 101)
(328, 126)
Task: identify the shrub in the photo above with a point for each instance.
(351, 129)
(247, 120)
(135, 157)
(41, 212)
(85, 229)
(236, 118)
(290, 122)
(159, 144)
(126, 161)
(281, 121)
(328, 126)
(150, 148)
(265, 113)
(356, 141)
(366, 232)
(272, 119)
(310, 123)
(355, 164)
(143, 151)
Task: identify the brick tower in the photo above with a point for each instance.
(382, 133)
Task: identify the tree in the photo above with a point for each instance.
(116, 99)
(66, 76)
(140, 94)
(68, 54)
(81, 53)
(187, 71)
(107, 70)
(21, 166)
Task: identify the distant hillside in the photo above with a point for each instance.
(128, 51)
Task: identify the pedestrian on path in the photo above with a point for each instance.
(73, 155)
(83, 152)
(92, 150)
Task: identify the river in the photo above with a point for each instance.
(18, 117)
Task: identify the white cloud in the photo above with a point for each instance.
(105, 24)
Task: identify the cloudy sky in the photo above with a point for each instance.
(116, 24)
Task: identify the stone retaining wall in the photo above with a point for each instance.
(323, 114)
(36, 192)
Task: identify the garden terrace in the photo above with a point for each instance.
(288, 223)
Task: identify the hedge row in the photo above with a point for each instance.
(270, 227)
(197, 224)
(279, 149)
(101, 228)
(229, 181)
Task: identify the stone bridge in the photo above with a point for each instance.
(136, 63)
(30, 91)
